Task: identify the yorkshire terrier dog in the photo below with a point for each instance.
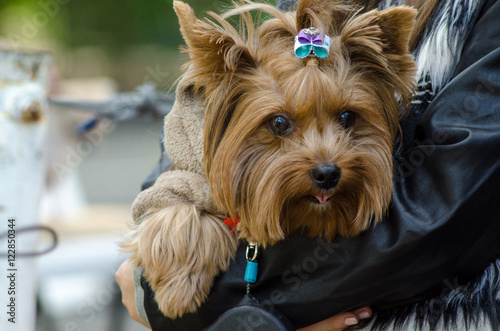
(301, 112)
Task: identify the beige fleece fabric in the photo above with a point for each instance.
(184, 145)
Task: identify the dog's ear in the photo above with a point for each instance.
(378, 42)
(220, 56)
(214, 49)
(396, 24)
(379, 33)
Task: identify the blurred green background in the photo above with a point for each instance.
(129, 41)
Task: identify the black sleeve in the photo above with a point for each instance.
(443, 226)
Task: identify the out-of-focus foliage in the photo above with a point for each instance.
(128, 40)
(111, 24)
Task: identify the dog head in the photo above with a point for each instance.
(300, 144)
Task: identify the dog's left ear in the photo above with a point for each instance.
(378, 41)
(214, 49)
(396, 24)
(387, 31)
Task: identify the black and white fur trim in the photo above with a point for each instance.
(441, 45)
(474, 306)
(439, 52)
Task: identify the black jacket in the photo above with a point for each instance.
(443, 226)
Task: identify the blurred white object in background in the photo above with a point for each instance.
(76, 285)
(64, 194)
(23, 126)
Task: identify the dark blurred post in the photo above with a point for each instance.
(24, 78)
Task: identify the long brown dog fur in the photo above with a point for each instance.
(246, 78)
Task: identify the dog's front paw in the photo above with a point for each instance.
(181, 249)
(182, 293)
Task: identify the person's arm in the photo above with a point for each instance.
(126, 277)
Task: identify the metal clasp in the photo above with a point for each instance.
(252, 251)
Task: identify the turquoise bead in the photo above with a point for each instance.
(251, 272)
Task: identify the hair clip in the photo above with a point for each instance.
(312, 40)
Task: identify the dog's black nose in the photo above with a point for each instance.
(326, 176)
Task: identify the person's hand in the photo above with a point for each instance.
(125, 279)
(340, 321)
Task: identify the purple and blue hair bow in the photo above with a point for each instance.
(311, 40)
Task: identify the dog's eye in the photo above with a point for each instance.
(279, 125)
(347, 119)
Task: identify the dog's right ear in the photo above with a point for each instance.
(214, 49)
(219, 54)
